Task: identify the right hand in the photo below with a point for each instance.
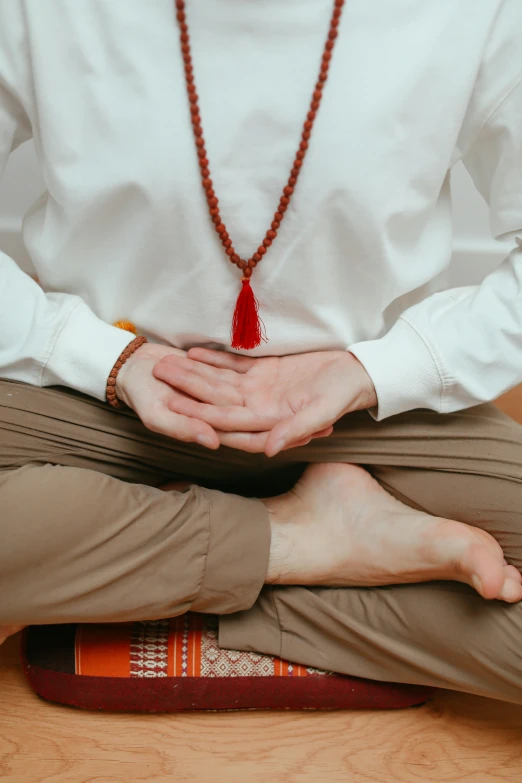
(149, 397)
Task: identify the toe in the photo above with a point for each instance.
(512, 573)
(511, 591)
(484, 570)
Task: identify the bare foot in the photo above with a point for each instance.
(338, 527)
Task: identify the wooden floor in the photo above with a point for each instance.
(454, 738)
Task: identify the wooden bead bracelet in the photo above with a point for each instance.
(112, 399)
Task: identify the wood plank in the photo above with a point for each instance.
(456, 737)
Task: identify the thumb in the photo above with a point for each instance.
(301, 425)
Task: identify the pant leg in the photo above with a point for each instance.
(465, 466)
(80, 542)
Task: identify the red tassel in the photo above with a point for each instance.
(247, 327)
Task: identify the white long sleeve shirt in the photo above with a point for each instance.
(122, 230)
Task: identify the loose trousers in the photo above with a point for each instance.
(87, 536)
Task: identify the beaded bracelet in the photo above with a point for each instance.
(112, 399)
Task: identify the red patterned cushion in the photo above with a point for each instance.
(171, 665)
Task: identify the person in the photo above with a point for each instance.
(338, 486)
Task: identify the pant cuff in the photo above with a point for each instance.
(255, 630)
(238, 552)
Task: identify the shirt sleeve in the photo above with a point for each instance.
(47, 339)
(463, 346)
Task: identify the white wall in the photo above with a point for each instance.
(475, 252)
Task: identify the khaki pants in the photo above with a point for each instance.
(85, 535)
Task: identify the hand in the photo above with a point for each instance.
(267, 404)
(154, 401)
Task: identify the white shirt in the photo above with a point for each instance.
(123, 232)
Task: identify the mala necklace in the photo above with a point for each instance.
(247, 328)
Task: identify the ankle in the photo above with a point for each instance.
(280, 560)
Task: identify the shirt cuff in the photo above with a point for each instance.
(403, 369)
(84, 352)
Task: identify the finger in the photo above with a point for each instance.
(303, 424)
(202, 369)
(228, 418)
(216, 392)
(179, 427)
(252, 442)
(303, 442)
(322, 434)
(222, 359)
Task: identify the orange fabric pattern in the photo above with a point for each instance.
(185, 646)
(103, 650)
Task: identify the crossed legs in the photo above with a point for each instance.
(84, 536)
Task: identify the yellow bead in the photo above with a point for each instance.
(126, 325)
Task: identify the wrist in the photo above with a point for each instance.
(114, 390)
(148, 353)
(120, 392)
(140, 354)
(366, 395)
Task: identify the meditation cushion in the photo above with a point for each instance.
(172, 665)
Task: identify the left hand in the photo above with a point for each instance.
(268, 403)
